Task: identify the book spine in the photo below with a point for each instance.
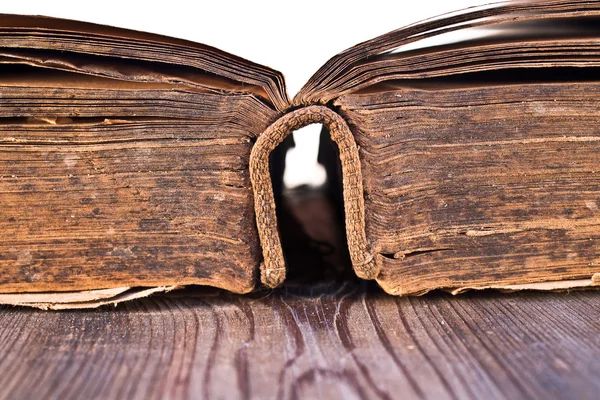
(272, 268)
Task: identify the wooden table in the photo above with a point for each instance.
(328, 342)
(339, 339)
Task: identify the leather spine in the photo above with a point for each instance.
(273, 270)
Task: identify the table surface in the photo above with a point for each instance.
(323, 339)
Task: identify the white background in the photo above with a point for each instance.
(295, 38)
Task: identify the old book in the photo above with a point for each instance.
(131, 163)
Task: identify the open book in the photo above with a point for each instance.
(131, 162)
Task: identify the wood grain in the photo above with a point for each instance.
(337, 341)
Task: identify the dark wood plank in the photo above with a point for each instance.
(343, 340)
